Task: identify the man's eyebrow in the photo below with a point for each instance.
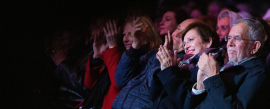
(236, 36)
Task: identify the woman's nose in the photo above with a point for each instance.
(125, 38)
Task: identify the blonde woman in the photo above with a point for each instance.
(136, 67)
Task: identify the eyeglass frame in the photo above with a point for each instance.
(235, 38)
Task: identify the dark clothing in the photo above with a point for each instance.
(134, 74)
(169, 86)
(241, 86)
(181, 54)
(223, 44)
(72, 90)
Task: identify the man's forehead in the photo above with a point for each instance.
(239, 29)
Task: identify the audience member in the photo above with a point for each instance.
(170, 20)
(226, 19)
(169, 86)
(243, 82)
(135, 68)
(99, 75)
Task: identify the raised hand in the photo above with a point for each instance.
(138, 36)
(208, 65)
(99, 44)
(168, 41)
(165, 57)
(112, 34)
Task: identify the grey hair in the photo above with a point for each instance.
(255, 31)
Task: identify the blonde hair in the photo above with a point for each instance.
(152, 36)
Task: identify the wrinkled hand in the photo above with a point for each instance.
(200, 78)
(165, 57)
(168, 41)
(138, 36)
(208, 65)
(99, 45)
(112, 34)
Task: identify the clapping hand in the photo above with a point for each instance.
(166, 58)
(138, 36)
(208, 67)
(112, 34)
(168, 41)
(99, 44)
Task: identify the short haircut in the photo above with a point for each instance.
(255, 31)
(205, 32)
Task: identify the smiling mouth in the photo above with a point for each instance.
(127, 44)
(190, 51)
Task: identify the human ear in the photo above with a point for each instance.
(255, 47)
(209, 43)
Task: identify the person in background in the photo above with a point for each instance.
(135, 68)
(69, 54)
(266, 16)
(225, 21)
(213, 9)
(99, 75)
(243, 82)
(171, 18)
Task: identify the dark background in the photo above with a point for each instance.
(26, 71)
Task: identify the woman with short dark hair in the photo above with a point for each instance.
(175, 77)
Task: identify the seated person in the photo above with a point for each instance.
(242, 82)
(135, 68)
(169, 86)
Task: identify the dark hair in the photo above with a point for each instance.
(180, 14)
(266, 27)
(204, 31)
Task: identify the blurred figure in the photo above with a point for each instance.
(266, 16)
(245, 10)
(266, 48)
(226, 19)
(99, 75)
(136, 67)
(197, 12)
(230, 7)
(209, 20)
(69, 54)
(213, 9)
(170, 20)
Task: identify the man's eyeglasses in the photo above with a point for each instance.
(235, 38)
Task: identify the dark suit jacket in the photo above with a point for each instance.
(169, 86)
(243, 86)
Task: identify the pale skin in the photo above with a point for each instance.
(138, 39)
(223, 27)
(237, 50)
(112, 34)
(166, 57)
(132, 34)
(99, 45)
